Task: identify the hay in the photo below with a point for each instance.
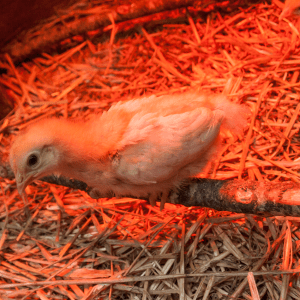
(75, 247)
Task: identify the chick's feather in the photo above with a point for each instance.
(138, 147)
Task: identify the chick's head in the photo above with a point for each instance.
(32, 156)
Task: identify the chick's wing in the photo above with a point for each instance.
(156, 147)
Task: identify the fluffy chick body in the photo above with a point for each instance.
(139, 147)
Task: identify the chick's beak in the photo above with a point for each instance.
(22, 181)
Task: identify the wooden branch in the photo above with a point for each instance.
(47, 37)
(253, 197)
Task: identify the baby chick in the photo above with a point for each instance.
(140, 147)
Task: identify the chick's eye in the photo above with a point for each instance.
(32, 160)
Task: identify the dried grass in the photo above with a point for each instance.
(75, 247)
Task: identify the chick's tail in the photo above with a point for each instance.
(236, 116)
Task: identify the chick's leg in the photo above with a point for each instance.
(152, 199)
(163, 200)
(96, 194)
